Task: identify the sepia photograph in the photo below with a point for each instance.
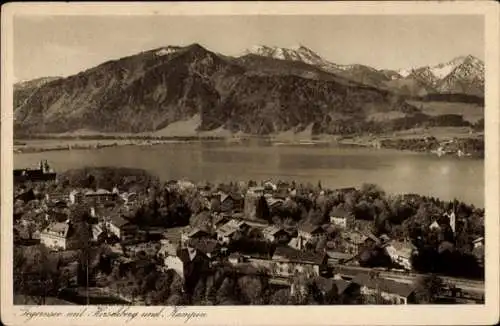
(247, 159)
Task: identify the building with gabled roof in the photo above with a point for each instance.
(275, 234)
(390, 291)
(401, 253)
(122, 228)
(189, 233)
(288, 262)
(56, 235)
(226, 232)
(339, 217)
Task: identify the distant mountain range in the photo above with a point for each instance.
(463, 74)
(267, 90)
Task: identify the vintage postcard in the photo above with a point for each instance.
(217, 163)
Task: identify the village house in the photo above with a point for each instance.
(307, 234)
(339, 217)
(227, 232)
(209, 247)
(288, 262)
(274, 202)
(353, 242)
(230, 202)
(274, 234)
(56, 196)
(219, 220)
(390, 291)
(100, 196)
(189, 233)
(56, 235)
(337, 258)
(347, 292)
(150, 249)
(311, 232)
(478, 250)
(401, 253)
(121, 228)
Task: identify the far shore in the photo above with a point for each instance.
(63, 142)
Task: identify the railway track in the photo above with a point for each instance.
(408, 277)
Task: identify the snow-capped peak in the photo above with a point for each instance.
(166, 50)
(442, 70)
(296, 53)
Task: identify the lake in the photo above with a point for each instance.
(335, 166)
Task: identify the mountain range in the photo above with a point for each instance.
(464, 74)
(266, 90)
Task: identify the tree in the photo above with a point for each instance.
(332, 296)
(251, 289)
(225, 294)
(280, 297)
(372, 191)
(428, 289)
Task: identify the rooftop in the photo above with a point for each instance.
(384, 285)
(206, 246)
(231, 227)
(337, 255)
(271, 230)
(118, 220)
(58, 228)
(326, 284)
(291, 255)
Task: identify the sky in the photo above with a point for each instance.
(65, 45)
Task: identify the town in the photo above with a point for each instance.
(120, 236)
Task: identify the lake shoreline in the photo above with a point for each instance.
(38, 145)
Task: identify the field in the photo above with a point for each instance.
(470, 112)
